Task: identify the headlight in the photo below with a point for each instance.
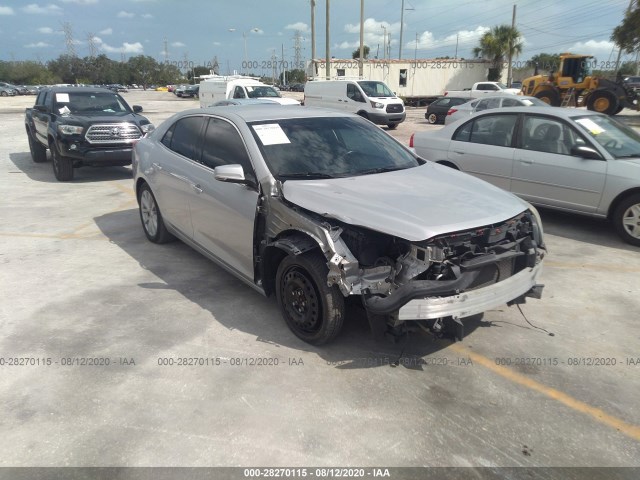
(538, 233)
(147, 128)
(377, 104)
(70, 129)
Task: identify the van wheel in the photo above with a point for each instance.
(364, 115)
(392, 126)
(313, 311)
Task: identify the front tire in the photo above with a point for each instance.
(392, 126)
(62, 166)
(603, 102)
(312, 310)
(626, 219)
(151, 218)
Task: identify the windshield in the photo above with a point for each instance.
(90, 103)
(501, 85)
(376, 89)
(257, 92)
(328, 147)
(617, 138)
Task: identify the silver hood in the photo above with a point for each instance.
(415, 204)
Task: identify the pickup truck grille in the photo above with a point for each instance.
(395, 108)
(113, 133)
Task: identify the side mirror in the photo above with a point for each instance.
(136, 108)
(585, 152)
(230, 174)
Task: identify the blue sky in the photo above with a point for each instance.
(199, 30)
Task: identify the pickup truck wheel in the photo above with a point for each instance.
(62, 166)
(432, 118)
(626, 219)
(38, 152)
(392, 126)
(152, 223)
(313, 311)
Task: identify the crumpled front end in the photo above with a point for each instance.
(453, 275)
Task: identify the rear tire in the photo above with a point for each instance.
(312, 310)
(4, 94)
(626, 219)
(38, 152)
(432, 118)
(151, 218)
(603, 101)
(62, 166)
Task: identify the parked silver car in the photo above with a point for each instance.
(468, 109)
(315, 206)
(571, 160)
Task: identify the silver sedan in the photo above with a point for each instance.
(567, 159)
(495, 101)
(315, 206)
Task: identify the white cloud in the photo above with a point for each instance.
(106, 31)
(217, 44)
(45, 30)
(81, 2)
(146, 15)
(6, 11)
(123, 14)
(303, 27)
(37, 45)
(35, 9)
(373, 33)
(427, 41)
(124, 48)
(178, 44)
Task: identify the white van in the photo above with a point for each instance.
(218, 88)
(370, 99)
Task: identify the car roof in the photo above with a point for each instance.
(79, 89)
(257, 113)
(560, 112)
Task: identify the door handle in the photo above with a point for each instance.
(197, 188)
(458, 152)
(526, 162)
(157, 166)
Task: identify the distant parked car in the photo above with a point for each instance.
(632, 82)
(437, 110)
(116, 87)
(179, 90)
(497, 101)
(568, 159)
(190, 91)
(296, 87)
(516, 84)
(32, 89)
(7, 92)
(15, 88)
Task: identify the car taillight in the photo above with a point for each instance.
(452, 111)
(411, 140)
(446, 93)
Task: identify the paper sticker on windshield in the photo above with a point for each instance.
(594, 128)
(62, 97)
(271, 134)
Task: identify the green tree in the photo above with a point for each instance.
(627, 34)
(294, 76)
(496, 45)
(365, 52)
(545, 61)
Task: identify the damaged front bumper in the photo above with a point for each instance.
(410, 306)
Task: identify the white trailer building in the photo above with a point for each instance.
(410, 79)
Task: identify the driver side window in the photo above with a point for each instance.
(239, 92)
(353, 93)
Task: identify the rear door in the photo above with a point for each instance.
(546, 173)
(483, 147)
(173, 185)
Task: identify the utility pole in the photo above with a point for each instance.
(327, 44)
(361, 60)
(513, 27)
(457, 39)
(313, 31)
(401, 29)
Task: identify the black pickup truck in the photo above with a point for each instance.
(83, 126)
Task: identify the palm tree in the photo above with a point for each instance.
(497, 44)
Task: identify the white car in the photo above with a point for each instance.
(497, 101)
(563, 158)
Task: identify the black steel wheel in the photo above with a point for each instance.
(312, 310)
